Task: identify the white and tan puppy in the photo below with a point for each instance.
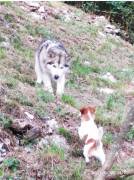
(51, 65)
(91, 134)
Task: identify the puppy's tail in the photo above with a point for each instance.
(100, 132)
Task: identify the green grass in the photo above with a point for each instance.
(2, 53)
(21, 98)
(130, 134)
(11, 82)
(108, 138)
(54, 151)
(77, 173)
(115, 101)
(5, 121)
(40, 109)
(17, 43)
(44, 96)
(9, 18)
(39, 31)
(12, 163)
(68, 100)
(65, 133)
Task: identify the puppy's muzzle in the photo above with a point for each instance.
(56, 77)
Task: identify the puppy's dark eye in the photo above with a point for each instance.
(54, 66)
(51, 55)
(66, 65)
(50, 63)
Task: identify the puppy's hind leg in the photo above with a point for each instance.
(99, 154)
(85, 153)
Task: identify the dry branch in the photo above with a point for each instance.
(128, 119)
(122, 173)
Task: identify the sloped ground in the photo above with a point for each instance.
(101, 75)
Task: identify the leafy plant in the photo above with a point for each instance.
(12, 163)
(130, 134)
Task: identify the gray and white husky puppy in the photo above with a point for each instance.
(51, 65)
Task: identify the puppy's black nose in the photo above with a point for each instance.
(56, 77)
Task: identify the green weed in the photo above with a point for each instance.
(69, 100)
(17, 42)
(2, 53)
(9, 17)
(44, 95)
(22, 99)
(5, 121)
(130, 134)
(12, 163)
(11, 82)
(77, 173)
(39, 31)
(64, 132)
(108, 138)
(56, 151)
(40, 109)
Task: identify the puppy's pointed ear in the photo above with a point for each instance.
(92, 109)
(47, 43)
(83, 110)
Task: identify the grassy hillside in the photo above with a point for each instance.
(93, 55)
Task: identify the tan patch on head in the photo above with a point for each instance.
(84, 112)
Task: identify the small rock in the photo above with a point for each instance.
(106, 90)
(3, 154)
(41, 9)
(87, 63)
(59, 141)
(3, 151)
(36, 16)
(28, 149)
(43, 142)
(1, 145)
(30, 116)
(7, 141)
(5, 45)
(111, 29)
(52, 124)
(109, 76)
(1, 159)
(32, 4)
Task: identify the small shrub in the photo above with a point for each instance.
(12, 163)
